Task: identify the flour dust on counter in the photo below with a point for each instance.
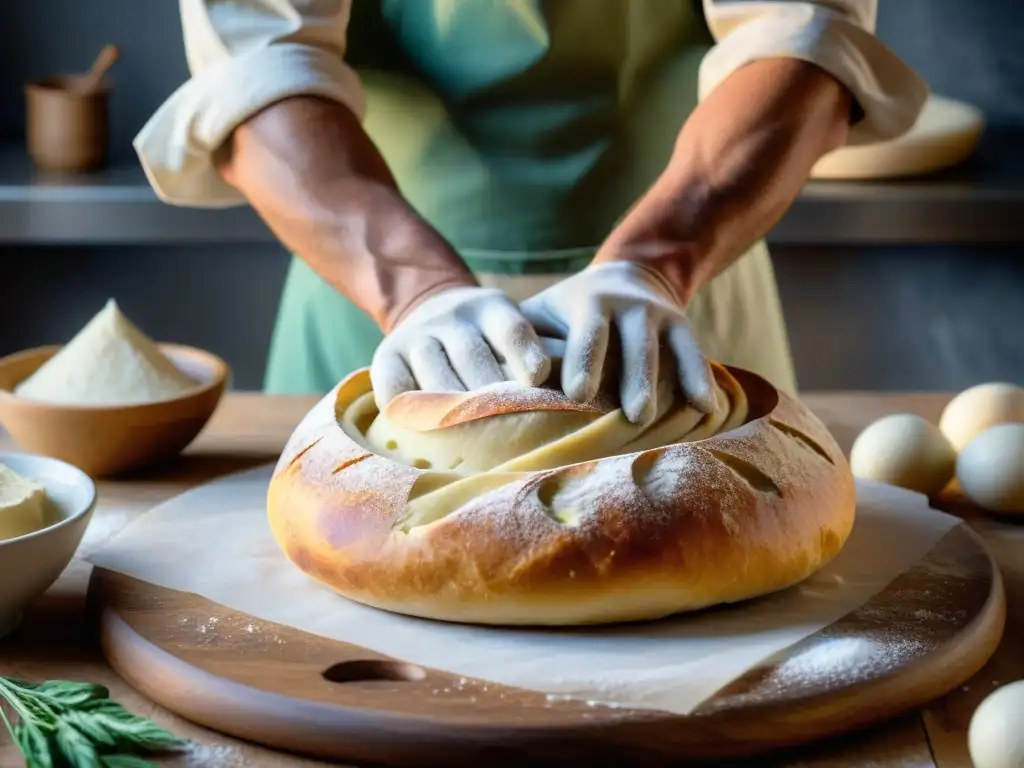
(200, 755)
(840, 662)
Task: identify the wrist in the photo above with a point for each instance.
(673, 272)
(386, 258)
(401, 307)
(668, 232)
(634, 270)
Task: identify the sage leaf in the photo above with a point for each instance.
(35, 746)
(78, 751)
(71, 694)
(127, 729)
(67, 724)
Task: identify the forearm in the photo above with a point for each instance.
(314, 176)
(738, 164)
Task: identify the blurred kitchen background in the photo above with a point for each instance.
(896, 285)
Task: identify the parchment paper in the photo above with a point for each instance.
(214, 541)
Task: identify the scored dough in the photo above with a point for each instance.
(904, 450)
(507, 441)
(990, 469)
(539, 510)
(485, 454)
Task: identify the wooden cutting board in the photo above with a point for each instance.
(945, 134)
(925, 635)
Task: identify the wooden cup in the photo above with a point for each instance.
(67, 125)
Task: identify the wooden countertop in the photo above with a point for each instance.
(250, 429)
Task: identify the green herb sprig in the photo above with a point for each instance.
(64, 724)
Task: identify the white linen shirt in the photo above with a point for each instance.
(247, 54)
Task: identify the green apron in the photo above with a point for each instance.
(523, 130)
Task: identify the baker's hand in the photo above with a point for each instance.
(457, 340)
(645, 312)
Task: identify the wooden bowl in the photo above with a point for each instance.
(106, 440)
(29, 564)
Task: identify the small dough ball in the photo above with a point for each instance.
(990, 471)
(904, 450)
(996, 734)
(976, 409)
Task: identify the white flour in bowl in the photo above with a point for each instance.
(109, 362)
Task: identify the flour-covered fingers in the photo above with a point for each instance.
(586, 348)
(694, 371)
(471, 356)
(446, 344)
(511, 335)
(432, 367)
(640, 352)
(390, 377)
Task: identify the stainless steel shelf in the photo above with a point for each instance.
(115, 205)
(981, 202)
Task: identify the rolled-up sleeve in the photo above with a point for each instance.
(836, 35)
(243, 56)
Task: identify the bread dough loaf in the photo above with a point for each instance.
(904, 450)
(945, 134)
(990, 469)
(996, 734)
(109, 362)
(512, 505)
(22, 505)
(976, 409)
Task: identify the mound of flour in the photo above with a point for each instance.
(109, 362)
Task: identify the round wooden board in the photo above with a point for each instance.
(926, 634)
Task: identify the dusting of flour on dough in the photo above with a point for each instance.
(516, 513)
(511, 396)
(661, 481)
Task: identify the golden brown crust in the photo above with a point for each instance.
(427, 411)
(741, 513)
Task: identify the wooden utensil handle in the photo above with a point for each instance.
(104, 61)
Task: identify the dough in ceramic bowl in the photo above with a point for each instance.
(513, 505)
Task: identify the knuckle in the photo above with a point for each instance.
(521, 328)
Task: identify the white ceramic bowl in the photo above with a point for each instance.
(30, 564)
